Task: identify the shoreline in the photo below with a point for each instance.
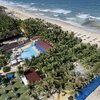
(85, 35)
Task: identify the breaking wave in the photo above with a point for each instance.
(59, 11)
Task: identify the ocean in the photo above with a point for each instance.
(83, 13)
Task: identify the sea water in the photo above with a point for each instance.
(78, 12)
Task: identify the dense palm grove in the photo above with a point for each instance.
(8, 26)
(55, 66)
(65, 44)
(4, 57)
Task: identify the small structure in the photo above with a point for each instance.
(25, 81)
(30, 76)
(10, 46)
(10, 75)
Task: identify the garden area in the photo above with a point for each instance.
(13, 89)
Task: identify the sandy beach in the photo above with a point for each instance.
(86, 36)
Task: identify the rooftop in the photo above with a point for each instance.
(31, 75)
(43, 44)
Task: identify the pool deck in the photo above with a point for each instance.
(36, 49)
(25, 46)
(95, 95)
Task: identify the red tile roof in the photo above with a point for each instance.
(31, 75)
(43, 44)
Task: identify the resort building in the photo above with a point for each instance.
(43, 44)
(35, 48)
(30, 75)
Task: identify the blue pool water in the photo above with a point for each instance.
(28, 53)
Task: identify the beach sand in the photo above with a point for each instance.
(86, 36)
(56, 96)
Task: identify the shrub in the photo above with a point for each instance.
(6, 69)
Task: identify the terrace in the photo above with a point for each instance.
(13, 89)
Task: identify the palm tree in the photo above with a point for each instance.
(17, 95)
(14, 89)
(7, 98)
(27, 63)
(20, 70)
(5, 91)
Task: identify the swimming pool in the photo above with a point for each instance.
(28, 53)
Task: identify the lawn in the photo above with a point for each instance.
(21, 88)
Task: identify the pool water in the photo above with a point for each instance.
(28, 53)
